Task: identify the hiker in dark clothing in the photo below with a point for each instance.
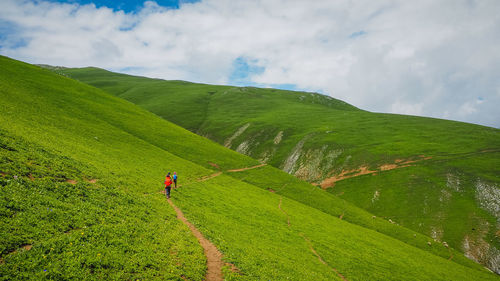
(168, 185)
(175, 180)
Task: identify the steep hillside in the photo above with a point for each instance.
(437, 177)
(80, 183)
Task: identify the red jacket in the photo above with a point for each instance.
(168, 181)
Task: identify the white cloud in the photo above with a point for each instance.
(432, 58)
(467, 109)
(405, 108)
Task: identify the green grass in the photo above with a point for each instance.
(86, 229)
(237, 226)
(54, 129)
(327, 136)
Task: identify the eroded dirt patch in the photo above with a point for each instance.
(386, 167)
(25, 247)
(329, 182)
(364, 170)
(214, 165)
(71, 181)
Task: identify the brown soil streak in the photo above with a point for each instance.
(320, 259)
(244, 169)
(287, 217)
(214, 257)
(451, 254)
(329, 182)
(214, 165)
(25, 247)
(364, 170)
(209, 177)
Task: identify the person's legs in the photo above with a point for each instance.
(167, 189)
(175, 182)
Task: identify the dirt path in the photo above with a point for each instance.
(220, 172)
(208, 177)
(319, 257)
(214, 257)
(247, 168)
(287, 216)
(310, 244)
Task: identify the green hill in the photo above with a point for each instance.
(80, 178)
(437, 177)
(81, 175)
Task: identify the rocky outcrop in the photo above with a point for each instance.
(236, 134)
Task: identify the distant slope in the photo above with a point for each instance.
(437, 177)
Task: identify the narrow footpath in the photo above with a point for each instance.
(308, 241)
(214, 257)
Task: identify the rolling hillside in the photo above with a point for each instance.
(437, 177)
(81, 175)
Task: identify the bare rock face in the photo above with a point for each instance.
(291, 160)
(488, 196)
(236, 134)
(453, 182)
(477, 248)
(312, 164)
(278, 137)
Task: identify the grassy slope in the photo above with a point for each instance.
(54, 129)
(329, 136)
(269, 177)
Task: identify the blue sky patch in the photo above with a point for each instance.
(357, 34)
(127, 5)
(290, 87)
(9, 36)
(243, 69)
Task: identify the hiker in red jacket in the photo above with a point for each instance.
(168, 185)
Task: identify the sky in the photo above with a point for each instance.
(435, 58)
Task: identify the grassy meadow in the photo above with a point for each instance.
(437, 177)
(81, 180)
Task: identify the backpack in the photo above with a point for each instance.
(168, 181)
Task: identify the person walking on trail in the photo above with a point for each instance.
(175, 180)
(168, 185)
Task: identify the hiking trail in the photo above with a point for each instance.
(310, 244)
(321, 259)
(247, 168)
(214, 257)
(287, 216)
